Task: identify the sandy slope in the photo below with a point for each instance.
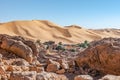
(45, 30)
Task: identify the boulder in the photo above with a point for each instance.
(83, 77)
(20, 62)
(50, 76)
(13, 68)
(17, 47)
(2, 70)
(33, 46)
(63, 63)
(102, 55)
(27, 75)
(37, 69)
(61, 71)
(110, 77)
(53, 66)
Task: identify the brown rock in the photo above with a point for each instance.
(110, 77)
(25, 68)
(20, 62)
(28, 75)
(33, 46)
(83, 77)
(60, 71)
(37, 69)
(2, 70)
(71, 70)
(102, 55)
(53, 66)
(14, 68)
(64, 64)
(71, 63)
(17, 47)
(50, 76)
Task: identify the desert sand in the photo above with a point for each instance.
(45, 30)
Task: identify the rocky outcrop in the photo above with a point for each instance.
(23, 59)
(102, 55)
(19, 46)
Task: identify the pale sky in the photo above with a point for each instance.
(85, 13)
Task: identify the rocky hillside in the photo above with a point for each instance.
(23, 59)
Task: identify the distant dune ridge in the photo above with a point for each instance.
(46, 30)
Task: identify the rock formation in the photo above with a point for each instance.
(102, 55)
(24, 59)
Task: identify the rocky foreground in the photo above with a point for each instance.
(24, 59)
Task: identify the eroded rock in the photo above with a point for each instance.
(102, 55)
(50, 76)
(53, 66)
(2, 70)
(110, 77)
(17, 47)
(83, 77)
(27, 75)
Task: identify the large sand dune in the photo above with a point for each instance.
(45, 31)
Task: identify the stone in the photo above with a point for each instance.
(37, 69)
(20, 62)
(102, 55)
(110, 77)
(50, 76)
(13, 68)
(64, 64)
(71, 70)
(71, 63)
(62, 71)
(2, 70)
(17, 47)
(33, 46)
(27, 75)
(25, 68)
(53, 66)
(83, 77)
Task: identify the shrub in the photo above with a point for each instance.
(84, 45)
(72, 50)
(58, 47)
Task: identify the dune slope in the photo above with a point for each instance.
(46, 30)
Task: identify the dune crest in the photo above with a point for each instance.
(46, 30)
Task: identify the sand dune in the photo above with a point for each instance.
(45, 31)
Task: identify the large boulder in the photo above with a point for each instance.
(19, 46)
(102, 55)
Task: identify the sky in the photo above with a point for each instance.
(95, 14)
